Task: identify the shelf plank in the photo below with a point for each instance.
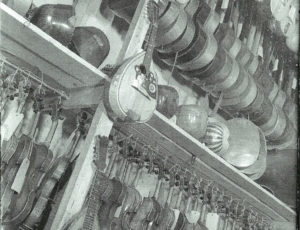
(23, 39)
(178, 144)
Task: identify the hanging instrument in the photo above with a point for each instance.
(55, 174)
(133, 90)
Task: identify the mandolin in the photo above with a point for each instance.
(133, 90)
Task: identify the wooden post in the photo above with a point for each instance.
(79, 183)
(136, 32)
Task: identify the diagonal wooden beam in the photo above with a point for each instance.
(79, 182)
(136, 33)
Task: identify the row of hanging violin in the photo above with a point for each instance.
(35, 152)
(139, 189)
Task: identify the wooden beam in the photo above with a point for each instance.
(84, 97)
(79, 182)
(39, 49)
(136, 33)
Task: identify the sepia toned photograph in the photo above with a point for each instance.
(149, 114)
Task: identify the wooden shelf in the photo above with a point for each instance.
(175, 142)
(26, 41)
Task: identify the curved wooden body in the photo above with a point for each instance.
(239, 86)
(244, 143)
(167, 100)
(175, 32)
(278, 127)
(257, 169)
(53, 19)
(123, 98)
(91, 44)
(208, 18)
(193, 119)
(184, 40)
(204, 56)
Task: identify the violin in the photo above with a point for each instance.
(180, 220)
(133, 197)
(35, 164)
(148, 212)
(54, 175)
(24, 147)
(118, 193)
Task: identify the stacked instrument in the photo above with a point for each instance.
(219, 59)
(140, 189)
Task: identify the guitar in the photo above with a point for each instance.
(87, 218)
(133, 90)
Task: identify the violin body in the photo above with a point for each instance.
(22, 203)
(53, 176)
(167, 218)
(147, 213)
(111, 204)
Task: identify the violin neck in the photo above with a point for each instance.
(52, 131)
(150, 46)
